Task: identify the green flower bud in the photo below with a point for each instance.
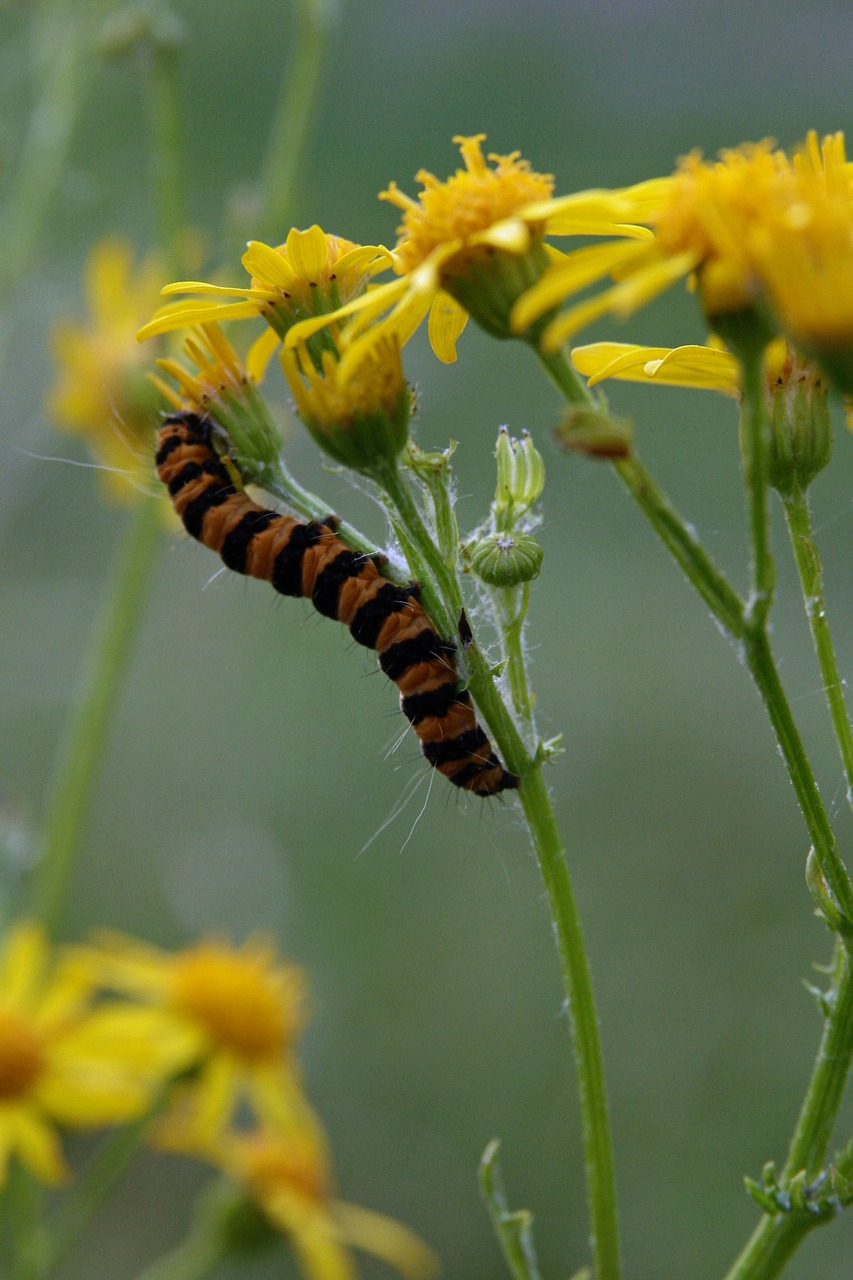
(521, 477)
(800, 426)
(595, 433)
(361, 419)
(505, 560)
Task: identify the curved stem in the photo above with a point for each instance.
(82, 748)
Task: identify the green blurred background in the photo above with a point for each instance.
(248, 778)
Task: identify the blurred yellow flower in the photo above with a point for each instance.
(101, 391)
(229, 1014)
(61, 1062)
(289, 1177)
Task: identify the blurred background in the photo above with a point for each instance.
(250, 780)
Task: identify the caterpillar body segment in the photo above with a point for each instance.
(309, 559)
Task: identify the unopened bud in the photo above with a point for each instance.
(595, 433)
(506, 560)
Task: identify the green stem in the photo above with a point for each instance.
(511, 609)
(82, 748)
(98, 1179)
(292, 118)
(428, 565)
(586, 1043)
(167, 150)
(762, 666)
(811, 1138)
(810, 570)
(776, 1237)
(539, 814)
(754, 438)
(683, 545)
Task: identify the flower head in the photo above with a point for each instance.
(759, 231)
(230, 1014)
(311, 274)
(290, 1179)
(61, 1061)
(102, 392)
(361, 420)
(471, 245)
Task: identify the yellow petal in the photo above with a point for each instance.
(263, 263)
(307, 253)
(22, 1131)
(447, 319)
(575, 272)
(261, 352)
(387, 1239)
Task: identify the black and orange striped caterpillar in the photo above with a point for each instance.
(311, 560)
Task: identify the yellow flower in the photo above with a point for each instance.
(291, 1181)
(61, 1062)
(231, 1014)
(311, 273)
(472, 244)
(756, 230)
(102, 392)
(361, 421)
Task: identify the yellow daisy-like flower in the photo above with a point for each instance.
(311, 273)
(102, 392)
(472, 244)
(744, 228)
(62, 1063)
(231, 1014)
(291, 1181)
(362, 420)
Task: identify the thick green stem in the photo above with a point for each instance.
(539, 814)
(82, 748)
(810, 570)
(586, 1043)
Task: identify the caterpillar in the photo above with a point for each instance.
(310, 560)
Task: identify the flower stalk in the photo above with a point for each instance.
(82, 748)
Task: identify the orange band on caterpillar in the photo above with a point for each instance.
(311, 560)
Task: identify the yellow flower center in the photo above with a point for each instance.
(470, 201)
(241, 1003)
(21, 1055)
(311, 262)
